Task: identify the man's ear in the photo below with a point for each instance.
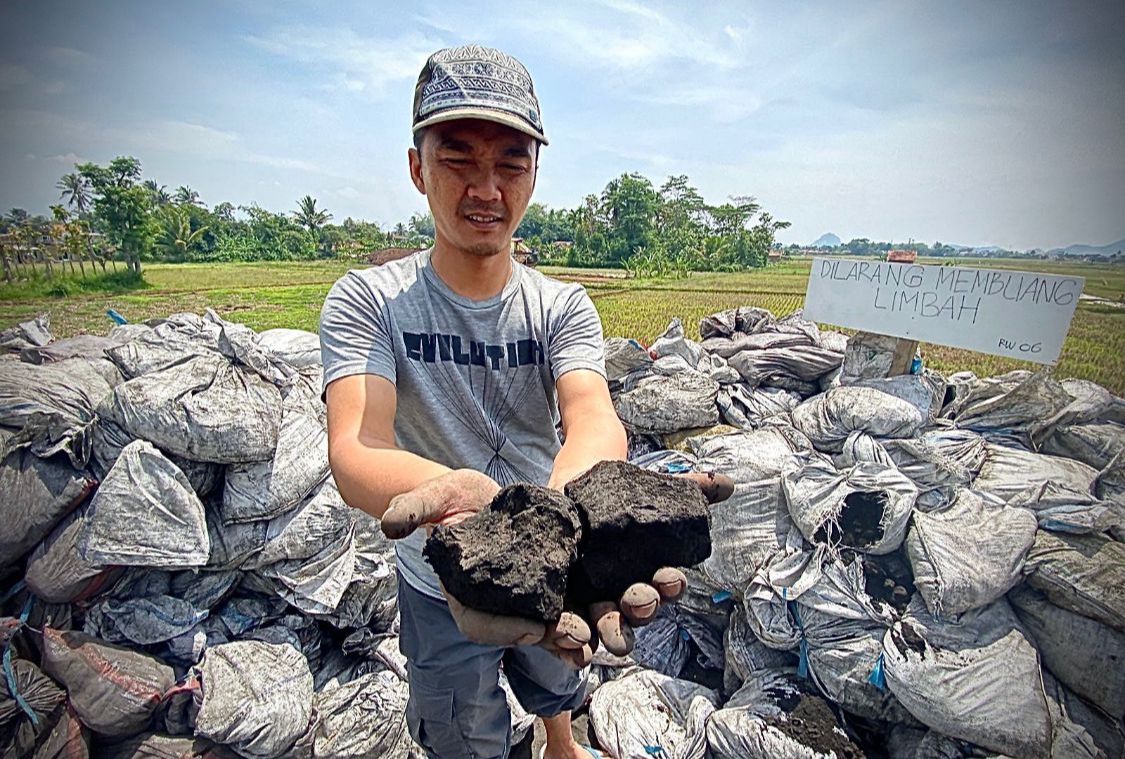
(415, 160)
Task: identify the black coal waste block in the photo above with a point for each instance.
(634, 522)
(512, 558)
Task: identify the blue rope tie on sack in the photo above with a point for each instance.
(10, 672)
(13, 591)
(803, 664)
(878, 677)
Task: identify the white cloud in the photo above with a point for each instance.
(722, 104)
(13, 76)
(354, 62)
(65, 158)
(347, 193)
(67, 56)
(629, 39)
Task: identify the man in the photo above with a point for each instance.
(445, 376)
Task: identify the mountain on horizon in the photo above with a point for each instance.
(827, 240)
(1079, 249)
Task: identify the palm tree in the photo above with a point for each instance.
(176, 234)
(75, 190)
(159, 192)
(186, 195)
(19, 217)
(308, 216)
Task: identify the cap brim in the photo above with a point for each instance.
(487, 114)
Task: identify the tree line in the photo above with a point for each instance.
(631, 224)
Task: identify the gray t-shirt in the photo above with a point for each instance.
(475, 380)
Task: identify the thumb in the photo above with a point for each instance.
(715, 487)
(407, 511)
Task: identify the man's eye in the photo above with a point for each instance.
(513, 167)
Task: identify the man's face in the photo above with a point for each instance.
(478, 177)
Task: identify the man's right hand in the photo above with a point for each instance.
(447, 499)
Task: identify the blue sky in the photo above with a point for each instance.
(971, 123)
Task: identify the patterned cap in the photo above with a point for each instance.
(475, 82)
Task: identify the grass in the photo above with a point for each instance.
(289, 294)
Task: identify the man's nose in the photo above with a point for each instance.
(484, 185)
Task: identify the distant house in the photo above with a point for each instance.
(775, 256)
(523, 254)
(902, 256)
(386, 255)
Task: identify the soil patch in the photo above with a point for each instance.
(909, 639)
(813, 724)
(512, 558)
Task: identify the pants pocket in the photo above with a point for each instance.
(433, 724)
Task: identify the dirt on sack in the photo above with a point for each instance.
(813, 724)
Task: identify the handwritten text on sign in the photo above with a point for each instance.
(1009, 313)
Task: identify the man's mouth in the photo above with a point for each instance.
(484, 220)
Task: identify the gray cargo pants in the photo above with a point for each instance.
(457, 708)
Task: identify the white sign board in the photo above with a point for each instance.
(1008, 313)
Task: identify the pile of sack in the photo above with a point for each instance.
(914, 566)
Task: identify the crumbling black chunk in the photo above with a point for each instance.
(512, 558)
(633, 523)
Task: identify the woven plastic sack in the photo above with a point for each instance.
(114, 690)
(52, 407)
(645, 713)
(79, 346)
(829, 418)
(310, 553)
(255, 697)
(770, 718)
(145, 514)
(624, 356)
(1107, 733)
(743, 406)
(32, 333)
(1084, 574)
(970, 553)
(1094, 444)
(364, 718)
(744, 654)
(1013, 472)
(297, 347)
(29, 706)
(1083, 654)
(751, 455)
(56, 571)
(976, 678)
(38, 493)
(668, 404)
(205, 409)
(265, 489)
(866, 507)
